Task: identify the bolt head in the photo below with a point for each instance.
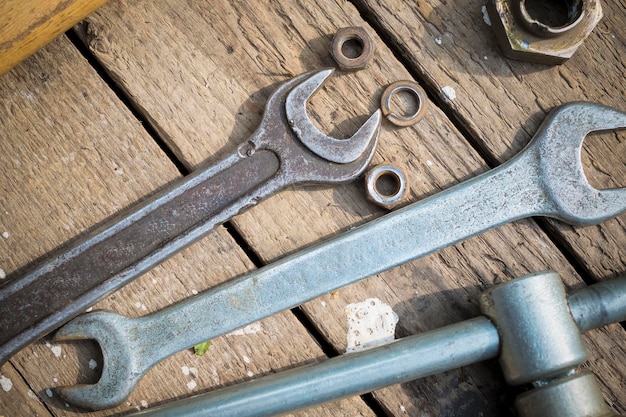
(525, 39)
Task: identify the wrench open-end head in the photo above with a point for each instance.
(121, 369)
(322, 159)
(557, 149)
(335, 150)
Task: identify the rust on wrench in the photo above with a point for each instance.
(545, 179)
(274, 157)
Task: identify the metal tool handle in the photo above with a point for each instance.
(400, 361)
(67, 284)
(417, 230)
(356, 373)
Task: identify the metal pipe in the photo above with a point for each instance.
(599, 304)
(356, 373)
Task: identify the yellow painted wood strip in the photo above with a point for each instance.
(28, 25)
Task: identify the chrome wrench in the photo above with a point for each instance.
(286, 149)
(545, 179)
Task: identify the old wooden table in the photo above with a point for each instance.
(142, 92)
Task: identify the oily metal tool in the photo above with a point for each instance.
(545, 179)
(528, 323)
(286, 149)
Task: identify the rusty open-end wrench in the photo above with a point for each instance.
(286, 149)
(545, 179)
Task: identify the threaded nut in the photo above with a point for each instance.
(546, 32)
(363, 51)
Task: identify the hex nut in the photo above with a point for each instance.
(360, 36)
(527, 38)
(386, 198)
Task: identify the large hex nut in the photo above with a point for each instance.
(527, 35)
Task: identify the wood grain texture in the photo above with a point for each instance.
(501, 102)
(15, 391)
(213, 64)
(73, 155)
(28, 25)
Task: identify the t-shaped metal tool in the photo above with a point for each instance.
(530, 324)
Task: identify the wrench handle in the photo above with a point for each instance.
(62, 287)
(460, 212)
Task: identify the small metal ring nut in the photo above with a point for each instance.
(401, 120)
(355, 33)
(399, 185)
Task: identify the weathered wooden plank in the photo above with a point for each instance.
(73, 155)
(27, 25)
(201, 55)
(501, 102)
(17, 398)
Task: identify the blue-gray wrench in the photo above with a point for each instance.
(545, 179)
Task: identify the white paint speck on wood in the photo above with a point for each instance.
(370, 323)
(6, 383)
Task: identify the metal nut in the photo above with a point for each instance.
(364, 48)
(386, 185)
(546, 32)
(401, 120)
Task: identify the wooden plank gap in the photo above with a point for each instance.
(550, 229)
(30, 387)
(140, 114)
(375, 405)
(244, 245)
(306, 321)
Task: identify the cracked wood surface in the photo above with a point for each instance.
(201, 76)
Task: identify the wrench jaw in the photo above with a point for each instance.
(307, 168)
(120, 373)
(558, 145)
(306, 154)
(333, 173)
(341, 151)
